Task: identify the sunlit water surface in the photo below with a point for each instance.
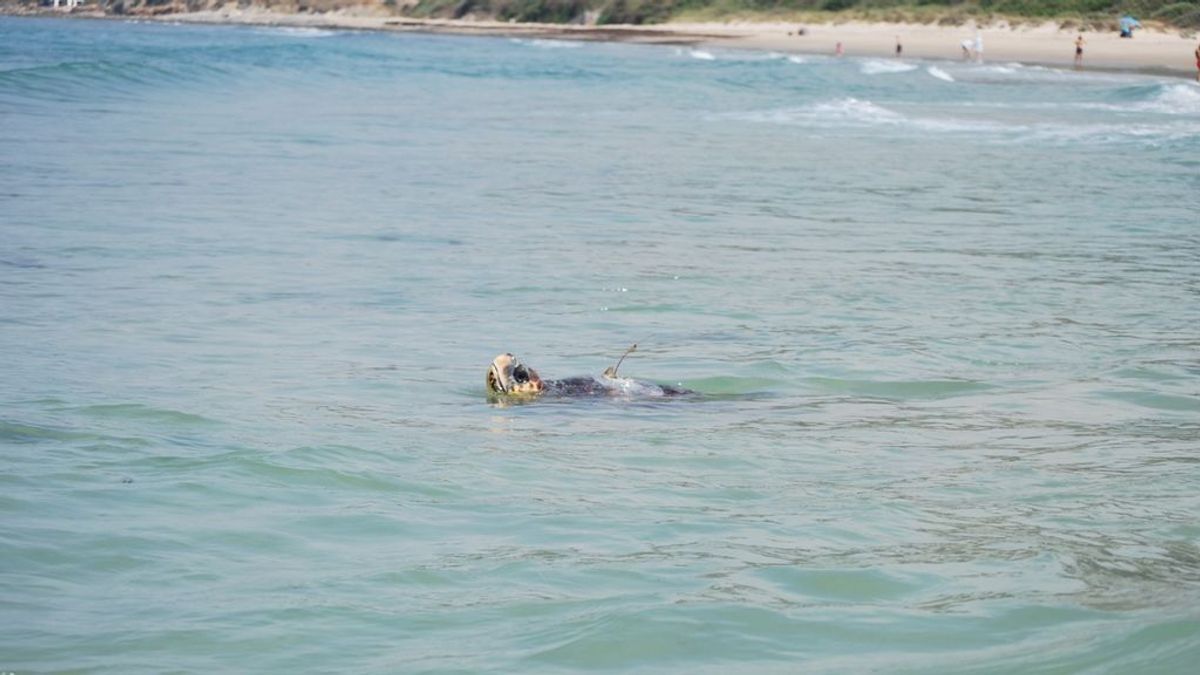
(943, 318)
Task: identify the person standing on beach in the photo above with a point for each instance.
(1079, 51)
(1198, 63)
(899, 48)
(978, 47)
(838, 51)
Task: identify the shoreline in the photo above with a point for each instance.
(1151, 52)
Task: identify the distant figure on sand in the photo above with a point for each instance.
(966, 47)
(978, 47)
(1079, 51)
(899, 47)
(838, 51)
(1198, 63)
(1128, 23)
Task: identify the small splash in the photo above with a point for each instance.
(628, 388)
(798, 60)
(939, 73)
(702, 55)
(882, 67)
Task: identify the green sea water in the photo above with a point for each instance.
(942, 318)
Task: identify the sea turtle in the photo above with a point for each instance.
(507, 376)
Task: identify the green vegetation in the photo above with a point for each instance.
(1092, 14)
(1102, 14)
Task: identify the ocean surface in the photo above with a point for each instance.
(944, 319)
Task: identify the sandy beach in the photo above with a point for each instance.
(1149, 51)
(1044, 44)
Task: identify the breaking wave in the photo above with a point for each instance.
(939, 73)
(81, 80)
(296, 31)
(543, 43)
(849, 113)
(1163, 99)
(883, 67)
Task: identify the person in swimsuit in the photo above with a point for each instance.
(1079, 51)
(1198, 63)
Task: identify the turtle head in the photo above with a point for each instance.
(508, 376)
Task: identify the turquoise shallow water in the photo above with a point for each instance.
(943, 317)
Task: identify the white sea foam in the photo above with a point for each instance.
(1153, 112)
(730, 55)
(853, 109)
(882, 67)
(827, 113)
(1110, 133)
(853, 112)
(797, 60)
(632, 389)
(956, 125)
(939, 73)
(1010, 69)
(1011, 73)
(297, 31)
(543, 43)
(1176, 99)
(745, 55)
(1016, 73)
(761, 56)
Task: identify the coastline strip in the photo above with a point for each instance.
(1151, 52)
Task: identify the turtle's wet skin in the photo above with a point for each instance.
(508, 377)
